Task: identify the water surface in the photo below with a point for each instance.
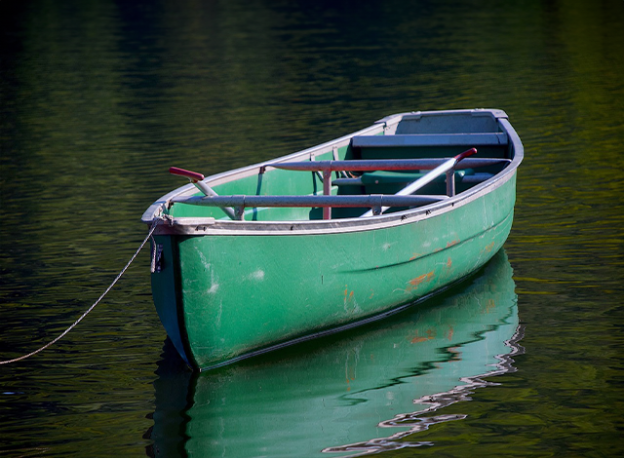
(99, 98)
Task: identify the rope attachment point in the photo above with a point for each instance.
(149, 235)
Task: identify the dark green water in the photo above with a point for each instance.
(99, 98)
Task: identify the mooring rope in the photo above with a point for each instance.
(151, 231)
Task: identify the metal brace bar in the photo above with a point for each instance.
(326, 192)
(450, 183)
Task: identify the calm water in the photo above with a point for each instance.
(99, 98)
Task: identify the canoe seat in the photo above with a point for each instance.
(412, 140)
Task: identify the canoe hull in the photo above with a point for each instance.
(225, 297)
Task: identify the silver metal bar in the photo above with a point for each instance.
(386, 164)
(450, 183)
(370, 201)
(326, 192)
(240, 213)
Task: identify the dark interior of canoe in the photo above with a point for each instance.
(358, 174)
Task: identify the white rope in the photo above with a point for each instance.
(151, 231)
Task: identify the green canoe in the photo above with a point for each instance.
(350, 231)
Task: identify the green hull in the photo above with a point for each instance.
(241, 288)
(365, 390)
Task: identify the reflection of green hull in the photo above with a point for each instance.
(344, 389)
(246, 287)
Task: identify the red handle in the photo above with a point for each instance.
(465, 154)
(193, 176)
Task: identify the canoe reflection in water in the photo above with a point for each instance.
(349, 394)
